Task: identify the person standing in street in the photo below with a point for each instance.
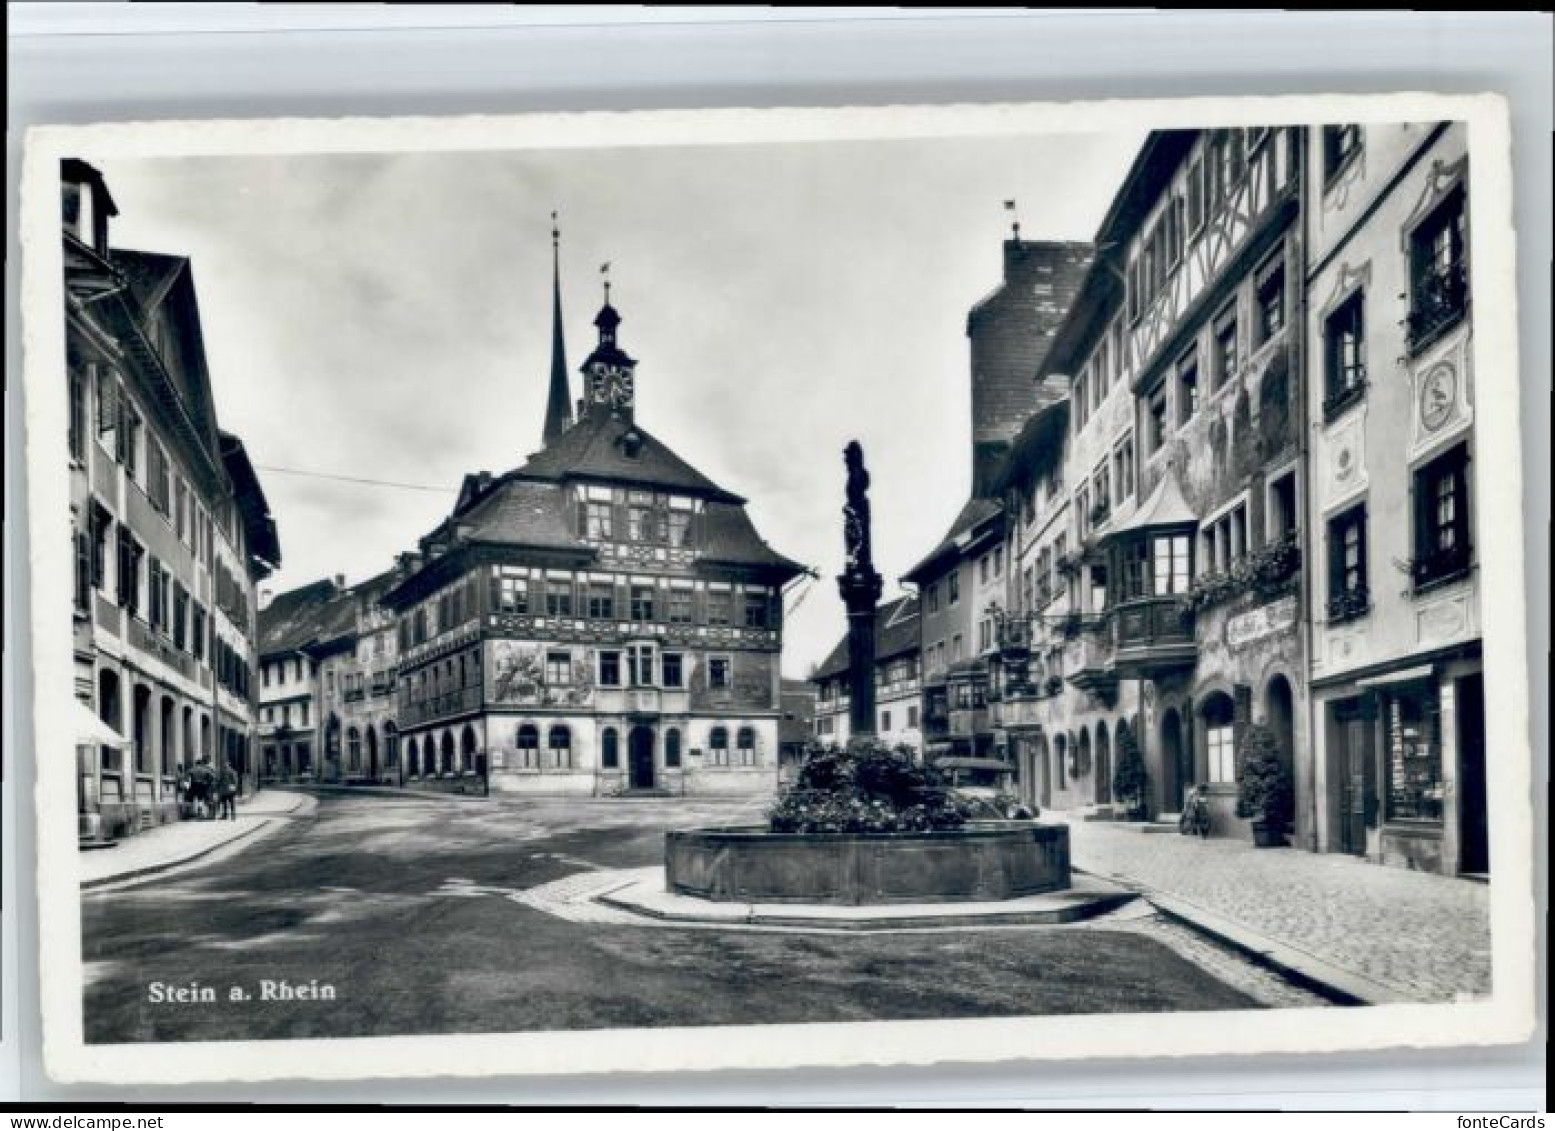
(227, 793)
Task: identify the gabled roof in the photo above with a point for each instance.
(896, 633)
(972, 515)
(609, 447)
(294, 619)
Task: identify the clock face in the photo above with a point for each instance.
(621, 390)
(1438, 389)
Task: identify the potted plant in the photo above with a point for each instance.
(1264, 793)
(1129, 777)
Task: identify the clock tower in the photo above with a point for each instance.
(609, 374)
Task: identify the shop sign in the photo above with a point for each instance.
(1263, 621)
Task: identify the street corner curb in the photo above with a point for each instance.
(1338, 985)
(168, 865)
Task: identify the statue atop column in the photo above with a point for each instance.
(860, 586)
(855, 514)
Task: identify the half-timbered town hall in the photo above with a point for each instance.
(602, 619)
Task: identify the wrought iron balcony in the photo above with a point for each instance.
(1441, 566)
(1349, 605)
(1440, 297)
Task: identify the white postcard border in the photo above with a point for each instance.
(1508, 1016)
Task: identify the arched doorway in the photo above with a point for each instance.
(372, 753)
(448, 753)
(467, 750)
(1280, 711)
(391, 746)
(413, 758)
(1176, 766)
(429, 756)
(1060, 752)
(1082, 757)
(1103, 765)
(1044, 783)
(639, 753)
(168, 735)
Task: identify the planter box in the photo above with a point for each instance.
(751, 865)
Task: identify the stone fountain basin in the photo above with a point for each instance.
(985, 861)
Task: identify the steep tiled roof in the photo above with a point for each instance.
(972, 515)
(608, 446)
(896, 632)
(296, 618)
(521, 513)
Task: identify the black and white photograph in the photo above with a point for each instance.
(726, 585)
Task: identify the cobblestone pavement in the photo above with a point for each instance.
(1264, 986)
(1424, 936)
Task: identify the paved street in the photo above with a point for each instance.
(1427, 937)
(375, 916)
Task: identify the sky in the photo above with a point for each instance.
(387, 317)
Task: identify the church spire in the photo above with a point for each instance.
(558, 407)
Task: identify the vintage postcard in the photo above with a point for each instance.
(689, 590)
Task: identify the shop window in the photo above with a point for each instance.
(1344, 350)
(672, 749)
(1349, 595)
(1412, 739)
(718, 746)
(610, 750)
(1442, 550)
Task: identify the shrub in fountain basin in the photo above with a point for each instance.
(869, 825)
(867, 788)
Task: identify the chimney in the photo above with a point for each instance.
(340, 581)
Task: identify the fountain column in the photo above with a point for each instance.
(860, 585)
